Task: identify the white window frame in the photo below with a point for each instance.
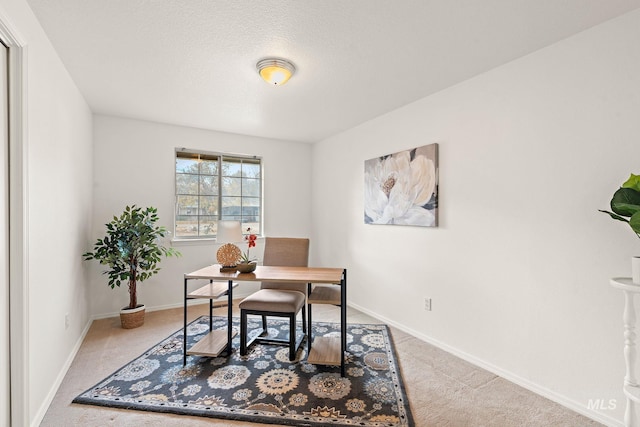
(221, 157)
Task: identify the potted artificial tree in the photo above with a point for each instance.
(131, 250)
(625, 205)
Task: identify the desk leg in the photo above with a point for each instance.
(343, 320)
(309, 326)
(184, 331)
(230, 318)
(210, 311)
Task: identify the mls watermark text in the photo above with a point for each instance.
(602, 404)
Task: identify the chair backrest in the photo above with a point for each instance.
(286, 252)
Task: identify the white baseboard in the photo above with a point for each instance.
(523, 382)
(37, 419)
(236, 296)
(154, 308)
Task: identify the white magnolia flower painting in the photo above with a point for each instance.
(402, 188)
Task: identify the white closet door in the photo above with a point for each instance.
(4, 240)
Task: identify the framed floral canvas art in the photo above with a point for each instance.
(402, 188)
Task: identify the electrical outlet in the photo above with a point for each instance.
(66, 321)
(427, 304)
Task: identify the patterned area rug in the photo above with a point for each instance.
(264, 386)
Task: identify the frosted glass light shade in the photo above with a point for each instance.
(275, 71)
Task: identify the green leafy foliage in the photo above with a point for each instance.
(633, 182)
(625, 201)
(131, 248)
(625, 204)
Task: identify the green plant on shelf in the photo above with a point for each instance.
(625, 204)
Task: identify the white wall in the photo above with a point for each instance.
(135, 164)
(59, 161)
(519, 268)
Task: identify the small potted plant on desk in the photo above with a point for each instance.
(132, 252)
(246, 264)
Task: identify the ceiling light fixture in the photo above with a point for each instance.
(275, 71)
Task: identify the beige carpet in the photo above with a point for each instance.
(442, 389)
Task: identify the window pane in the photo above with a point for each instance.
(250, 187)
(209, 185)
(209, 166)
(187, 211)
(253, 202)
(186, 184)
(187, 165)
(231, 167)
(208, 226)
(231, 206)
(231, 186)
(187, 228)
(254, 226)
(186, 205)
(250, 213)
(251, 168)
(208, 205)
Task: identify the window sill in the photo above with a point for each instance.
(193, 242)
(201, 241)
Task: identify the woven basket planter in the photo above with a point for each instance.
(132, 318)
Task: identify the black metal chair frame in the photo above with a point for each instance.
(293, 342)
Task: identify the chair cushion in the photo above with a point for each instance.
(274, 300)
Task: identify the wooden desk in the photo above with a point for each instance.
(215, 341)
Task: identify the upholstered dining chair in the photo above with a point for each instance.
(278, 299)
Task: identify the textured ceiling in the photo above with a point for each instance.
(192, 62)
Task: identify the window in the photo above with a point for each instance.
(211, 187)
